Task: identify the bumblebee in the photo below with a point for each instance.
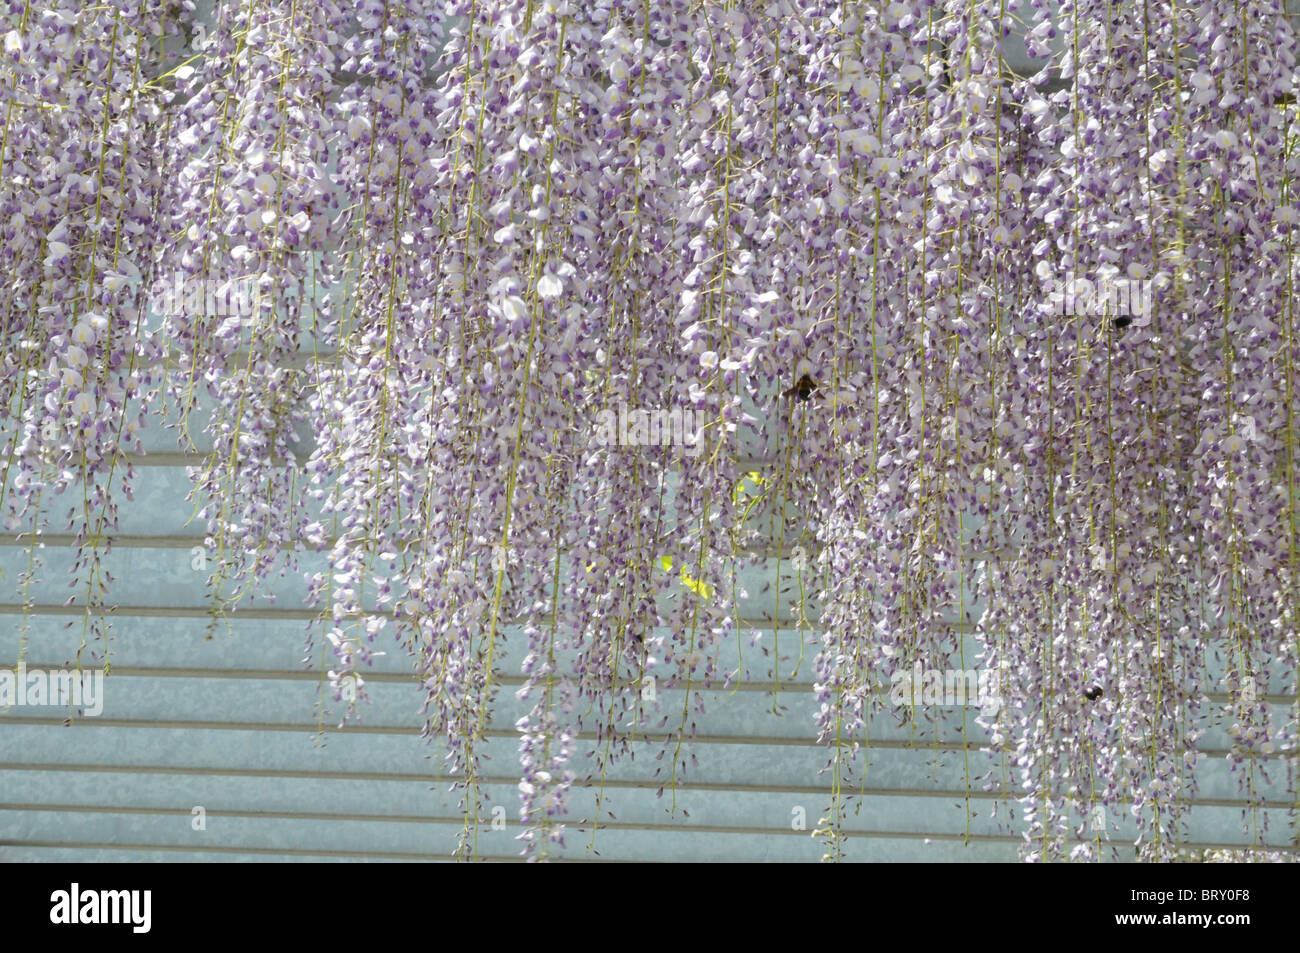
(803, 388)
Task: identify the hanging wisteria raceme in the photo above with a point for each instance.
(250, 219)
(79, 188)
(975, 368)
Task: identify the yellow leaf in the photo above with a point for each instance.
(701, 589)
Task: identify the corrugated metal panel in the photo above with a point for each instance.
(225, 716)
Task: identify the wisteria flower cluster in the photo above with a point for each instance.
(834, 232)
